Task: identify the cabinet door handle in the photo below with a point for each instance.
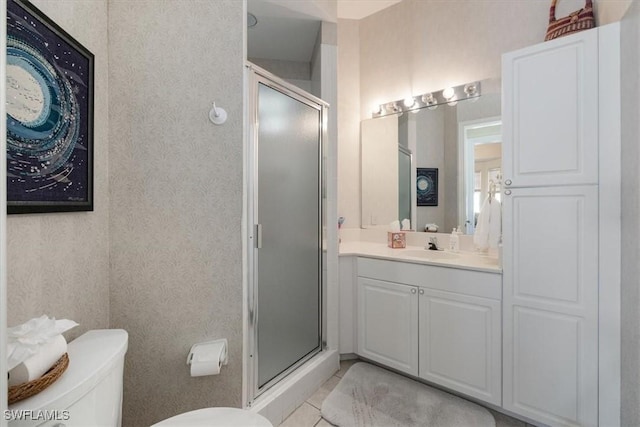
(507, 182)
(413, 290)
(421, 291)
(507, 192)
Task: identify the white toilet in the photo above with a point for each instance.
(216, 417)
(89, 393)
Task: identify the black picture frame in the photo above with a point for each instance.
(50, 109)
(427, 186)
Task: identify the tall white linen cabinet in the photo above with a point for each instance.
(561, 230)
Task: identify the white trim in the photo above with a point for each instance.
(329, 93)
(610, 256)
(253, 76)
(464, 157)
(245, 195)
(277, 403)
(3, 217)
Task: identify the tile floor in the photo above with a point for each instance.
(308, 414)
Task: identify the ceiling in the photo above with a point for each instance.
(358, 9)
(287, 30)
(281, 33)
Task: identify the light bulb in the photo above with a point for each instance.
(409, 102)
(430, 101)
(448, 93)
(377, 110)
(471, 89)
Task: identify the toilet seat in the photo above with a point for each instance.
(216, 417)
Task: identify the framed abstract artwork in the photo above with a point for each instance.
(427, 186)
(49, 115)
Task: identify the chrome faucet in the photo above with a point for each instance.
(433, 244)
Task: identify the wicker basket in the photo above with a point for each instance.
(22, 391)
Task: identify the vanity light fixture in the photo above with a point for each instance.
(448, 93)
(431, 100)
(471, 89)
(394, 108)
(409, 102)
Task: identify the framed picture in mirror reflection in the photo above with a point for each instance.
(427, 186)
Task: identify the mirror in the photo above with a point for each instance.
(462, 142)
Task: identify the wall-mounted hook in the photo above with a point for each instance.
(217, 115)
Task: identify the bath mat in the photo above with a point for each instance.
(369, 396)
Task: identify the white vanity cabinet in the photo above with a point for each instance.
(460, 343)
(388, 323)
(440, 324)
(551, 304)
(550, 113)
(556, 101)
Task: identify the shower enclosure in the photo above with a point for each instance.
(285, 233)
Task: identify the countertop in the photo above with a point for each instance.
(419, 255)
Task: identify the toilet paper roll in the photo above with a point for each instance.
(207, 358)
(38, 364)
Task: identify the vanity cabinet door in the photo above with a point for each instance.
(388, 324)
(550, 304)
(550, 112)
(460, 343)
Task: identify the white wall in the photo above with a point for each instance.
(417, 46)
(630, 299)
(58, 263)
(176, 198)
(349, 122)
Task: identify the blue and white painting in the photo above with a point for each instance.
(49, 115)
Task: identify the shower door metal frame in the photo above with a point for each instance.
(256, 76)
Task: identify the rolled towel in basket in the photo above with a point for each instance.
(37, 365)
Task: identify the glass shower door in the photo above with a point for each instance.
(288, 254)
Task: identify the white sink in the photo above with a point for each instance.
(433, 255)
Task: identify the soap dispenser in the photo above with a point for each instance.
(454, 241)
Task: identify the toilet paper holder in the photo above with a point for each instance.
(210, 351)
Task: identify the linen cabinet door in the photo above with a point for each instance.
(550, 113)
(388, 324)
(550, 304)
(460, 343)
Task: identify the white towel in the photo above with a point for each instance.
(495, 224)
(489, 227)
(38, 364)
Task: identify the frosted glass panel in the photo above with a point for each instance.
(288, 267)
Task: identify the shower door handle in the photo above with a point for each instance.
(258, 236)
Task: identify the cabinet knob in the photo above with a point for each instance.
(413, 290)
(507, 182)
(421, 291)
(507, 192)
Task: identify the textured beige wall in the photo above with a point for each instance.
(176, 198)
(58, 264)
(630, 300)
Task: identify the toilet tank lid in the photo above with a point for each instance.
(92, 356)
